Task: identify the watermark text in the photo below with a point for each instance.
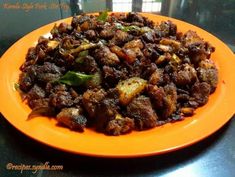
(34, 168)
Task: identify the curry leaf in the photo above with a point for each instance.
(142, 30)
(80, 60)
(131, 28)
(78, 49)
(81, 56)
(55, 30)
(74, 78)
(16, 86)
(103, 16)
(127, 28)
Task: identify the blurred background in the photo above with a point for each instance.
(19, 17)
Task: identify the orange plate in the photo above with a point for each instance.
(158, 140)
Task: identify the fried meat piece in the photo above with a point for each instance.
(140, 109)
(91, 99)
(72, 118)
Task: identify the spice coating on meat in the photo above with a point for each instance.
(73, 118)
(141, 111)
(120, 126)
(200, 92)
(107, 110)
(186, 75)
(121, 37)
(91, 99)
(117, 72)
(39, 103)
(106, 57)
(36, 92)
(207, 72)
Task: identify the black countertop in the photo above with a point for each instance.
(212, 157)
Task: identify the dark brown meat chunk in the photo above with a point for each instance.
(79, 20)
(36, 92)
(185, 75)
(72, 118)
(27, 64)
(121, 37)
(149, 36)
(25, 82)
(191, 38)
(39, 103)
(48, 72)
(61, 99)
(207, 72)
(140, 109)
(112, 75)
(164, 99)
(28, 77)
(107, 33)
(90, 34)
(31, 54)
(48, 77)
(138, 67)
(107, 109)
(64, 28)
(91, 99)
(209, 76)
(182, 95)
(181, 98)
(49, 68)
(134, 17)
(150, 52)
(59, 88)
(198, 49)
(88, 65)
(120, 126)
(105, 57)
(172, 28)
(170, 100)
(166, 28)
(157, 95)
(200, 92)
(157, 77)
(88, 23)
(149, 70)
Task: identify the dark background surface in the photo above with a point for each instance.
(212, 157)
